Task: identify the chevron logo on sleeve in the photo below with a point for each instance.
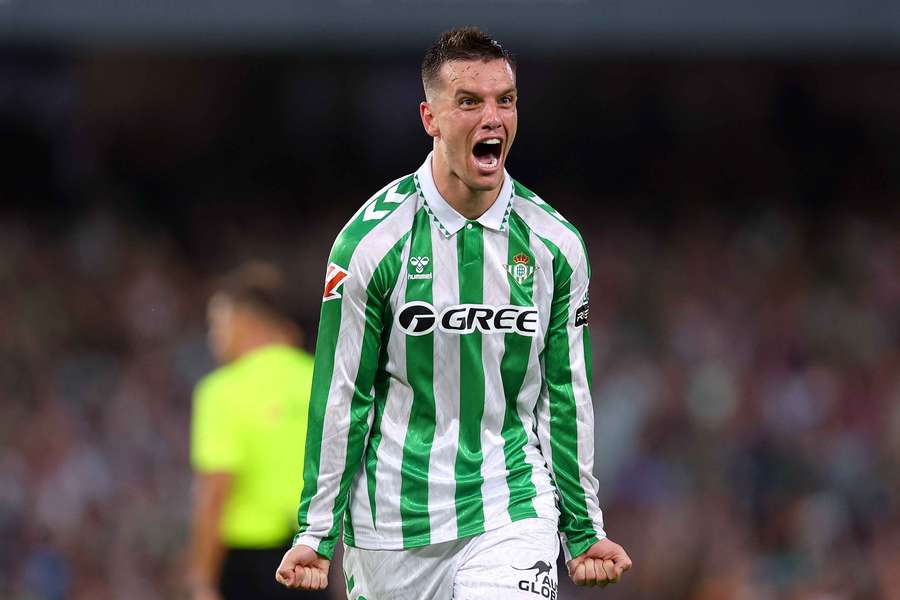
(334, 279)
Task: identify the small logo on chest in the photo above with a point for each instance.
(520, 270)
(417, 267)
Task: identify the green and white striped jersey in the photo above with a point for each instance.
(451, 392)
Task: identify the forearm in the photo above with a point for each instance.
(329, 468)
(341, 400)
(336, 437)
(207, 548)
(566, 433)
(566, 413)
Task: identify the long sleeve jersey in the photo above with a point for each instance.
(451, 392)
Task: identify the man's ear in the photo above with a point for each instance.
(428, 120)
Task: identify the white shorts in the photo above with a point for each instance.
(516, 561)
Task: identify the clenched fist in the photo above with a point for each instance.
(302, 568)
(602, 564)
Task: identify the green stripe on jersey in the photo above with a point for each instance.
(513, 366)
(382, 385)
(469, 503)
(574, 519)
(420, 375)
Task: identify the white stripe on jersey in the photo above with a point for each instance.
(441, 474)
(494, 489)
(394, 422)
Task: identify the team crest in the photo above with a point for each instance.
(520, 270)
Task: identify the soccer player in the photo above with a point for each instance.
(451, 405)
(248, 417)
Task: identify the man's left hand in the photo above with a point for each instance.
(602, 564)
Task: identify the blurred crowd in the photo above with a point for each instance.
(745, 242)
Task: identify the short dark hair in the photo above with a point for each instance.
(462, 43)
(260, 286)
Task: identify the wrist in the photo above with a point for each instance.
(316, 544)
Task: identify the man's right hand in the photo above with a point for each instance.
(302, 568)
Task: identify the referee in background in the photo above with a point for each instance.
(247, 439)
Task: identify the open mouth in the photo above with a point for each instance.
(487, 153)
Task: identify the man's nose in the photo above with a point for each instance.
(491, 116)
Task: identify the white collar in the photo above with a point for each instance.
(451, 221)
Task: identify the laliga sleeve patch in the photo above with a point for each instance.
(581, 314)
(334, 279)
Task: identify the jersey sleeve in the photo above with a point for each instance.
(565, 410)
(347, 350)
(215, 435)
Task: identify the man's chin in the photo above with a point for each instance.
(485, 182)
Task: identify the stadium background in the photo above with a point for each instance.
(735, 171)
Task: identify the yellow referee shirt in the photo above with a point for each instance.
(249, 419)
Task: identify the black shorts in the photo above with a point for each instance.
(250, 575)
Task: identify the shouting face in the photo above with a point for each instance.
(470, 112)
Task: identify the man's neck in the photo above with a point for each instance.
(257, 340)
(468, 202)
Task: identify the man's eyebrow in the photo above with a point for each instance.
(465, 92)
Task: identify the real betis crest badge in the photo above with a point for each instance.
(520, 270)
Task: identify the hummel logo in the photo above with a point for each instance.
(372, 213)
(419, 262)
